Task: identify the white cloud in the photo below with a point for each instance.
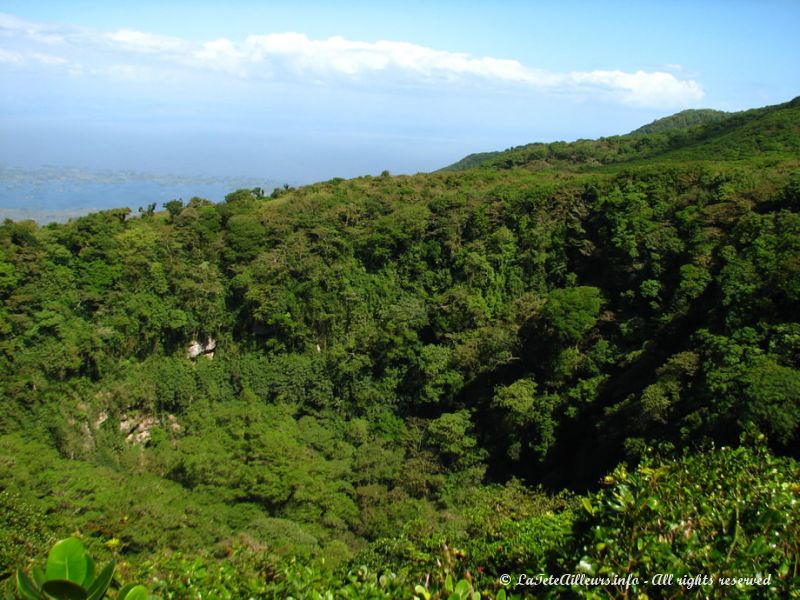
(642, 88)
(220, 54)
(127, 72)
(337, 57)
(50, 39)
(8, 56)
(335, 60)
(48, 59)
(139, 41)
(37, 32)
(22, 58)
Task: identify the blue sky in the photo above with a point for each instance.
(306, 91)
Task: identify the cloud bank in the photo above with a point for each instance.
(296, 58)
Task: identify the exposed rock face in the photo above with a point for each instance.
(127, 423)
(137, 428)
(141, 433)
(101, 418)
(195, 349)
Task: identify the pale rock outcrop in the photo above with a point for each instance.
(195, 348)
(137, 429)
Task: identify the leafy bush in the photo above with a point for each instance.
(728, 513)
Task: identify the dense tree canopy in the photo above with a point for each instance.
(427, 376)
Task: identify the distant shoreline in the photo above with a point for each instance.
(50, 194)
(43, 216)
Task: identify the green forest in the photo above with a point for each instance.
(567, 358)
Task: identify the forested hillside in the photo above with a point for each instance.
(693, 135)
(570, 358)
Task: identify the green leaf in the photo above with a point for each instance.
(625, 495)
(585, 566)
(38, 576)
(463, 588)
(64, 589)
(783, 569)
(757, 546)
(67, 560)
(26, 589)
(87, 580)
(137, 592)
(99, 586)
(124, 590)
(587, 505)
(501, 595)
(448, 583)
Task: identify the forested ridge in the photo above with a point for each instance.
(690, 134)
(562, 358)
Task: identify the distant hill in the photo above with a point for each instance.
(688, 135)
(472, 160)
(772, 130)
(684, 120)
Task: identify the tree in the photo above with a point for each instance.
(174, 208)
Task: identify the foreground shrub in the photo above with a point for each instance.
(727, 513)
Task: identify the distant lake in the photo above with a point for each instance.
(50, 194)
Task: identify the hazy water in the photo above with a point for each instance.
(51, 194)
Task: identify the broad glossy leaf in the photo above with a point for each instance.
(67, 560)
(64, 589)
(99, 586)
